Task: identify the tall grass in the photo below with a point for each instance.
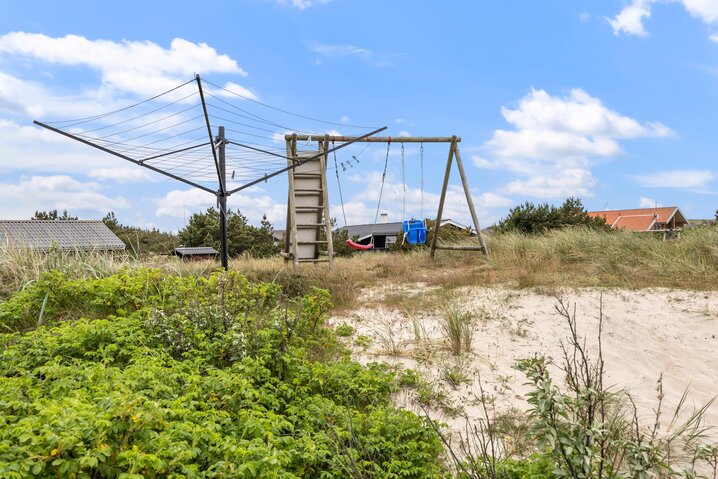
(583, 257)
(570, 257)
(21, 266)
(458, 329)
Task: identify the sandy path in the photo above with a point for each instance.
(646, 333)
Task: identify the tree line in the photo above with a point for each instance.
(202, 229)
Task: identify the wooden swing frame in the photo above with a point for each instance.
(454, 154)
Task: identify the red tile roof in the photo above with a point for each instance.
(640, 219)
(635, 223)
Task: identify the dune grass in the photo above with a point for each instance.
(570, 257)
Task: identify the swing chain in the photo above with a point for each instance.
(339, 184)
(403, 182)
(421, 155)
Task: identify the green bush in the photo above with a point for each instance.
(536, 219)
(185, 377)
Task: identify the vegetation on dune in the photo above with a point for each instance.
(193, 377)
(141, 241)
(536, 219)
(145, 374)
(580, 428)
(575, 257)
(203, 230)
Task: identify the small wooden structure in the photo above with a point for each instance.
(195, 253)
(308, 203)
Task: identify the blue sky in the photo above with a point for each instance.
(611, 101)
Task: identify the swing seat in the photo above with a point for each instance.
(414, 232)
(359, 246)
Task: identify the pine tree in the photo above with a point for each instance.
(52, 215)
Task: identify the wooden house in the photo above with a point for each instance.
(665, 218)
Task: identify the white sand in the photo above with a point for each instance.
(646, 333)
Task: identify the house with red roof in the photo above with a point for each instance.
(643, 219)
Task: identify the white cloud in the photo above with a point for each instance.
(233, 90)
(341, 50)
(483, 163)
(62, 192)
(253, 205)
(15, 93)
(631, 18)
(143, 68)
(648, 203)
(25, 98)
(705, 10)
(553, 140)
(120, 175)
(405, 133)
(345, 51)
(577, 113)
(567, 182)
(399, 121)
(36, 149)
(584, 16)
(345, 119)
(302, 4)
(676, 179)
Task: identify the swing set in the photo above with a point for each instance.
(306, 217)
(414, 231)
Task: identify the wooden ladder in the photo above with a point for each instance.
(308, 208)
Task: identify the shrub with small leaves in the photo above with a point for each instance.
(191, 377)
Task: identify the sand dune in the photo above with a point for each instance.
(646, 333)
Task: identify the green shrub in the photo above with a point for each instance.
(344, 330)
(536, 219)
(193, 377)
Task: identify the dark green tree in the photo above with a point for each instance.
(263, 241)
(53, 215)
(203, 230)
(111, 222)
(529, 218)
(141, 240)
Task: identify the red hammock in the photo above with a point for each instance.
(359, 246)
